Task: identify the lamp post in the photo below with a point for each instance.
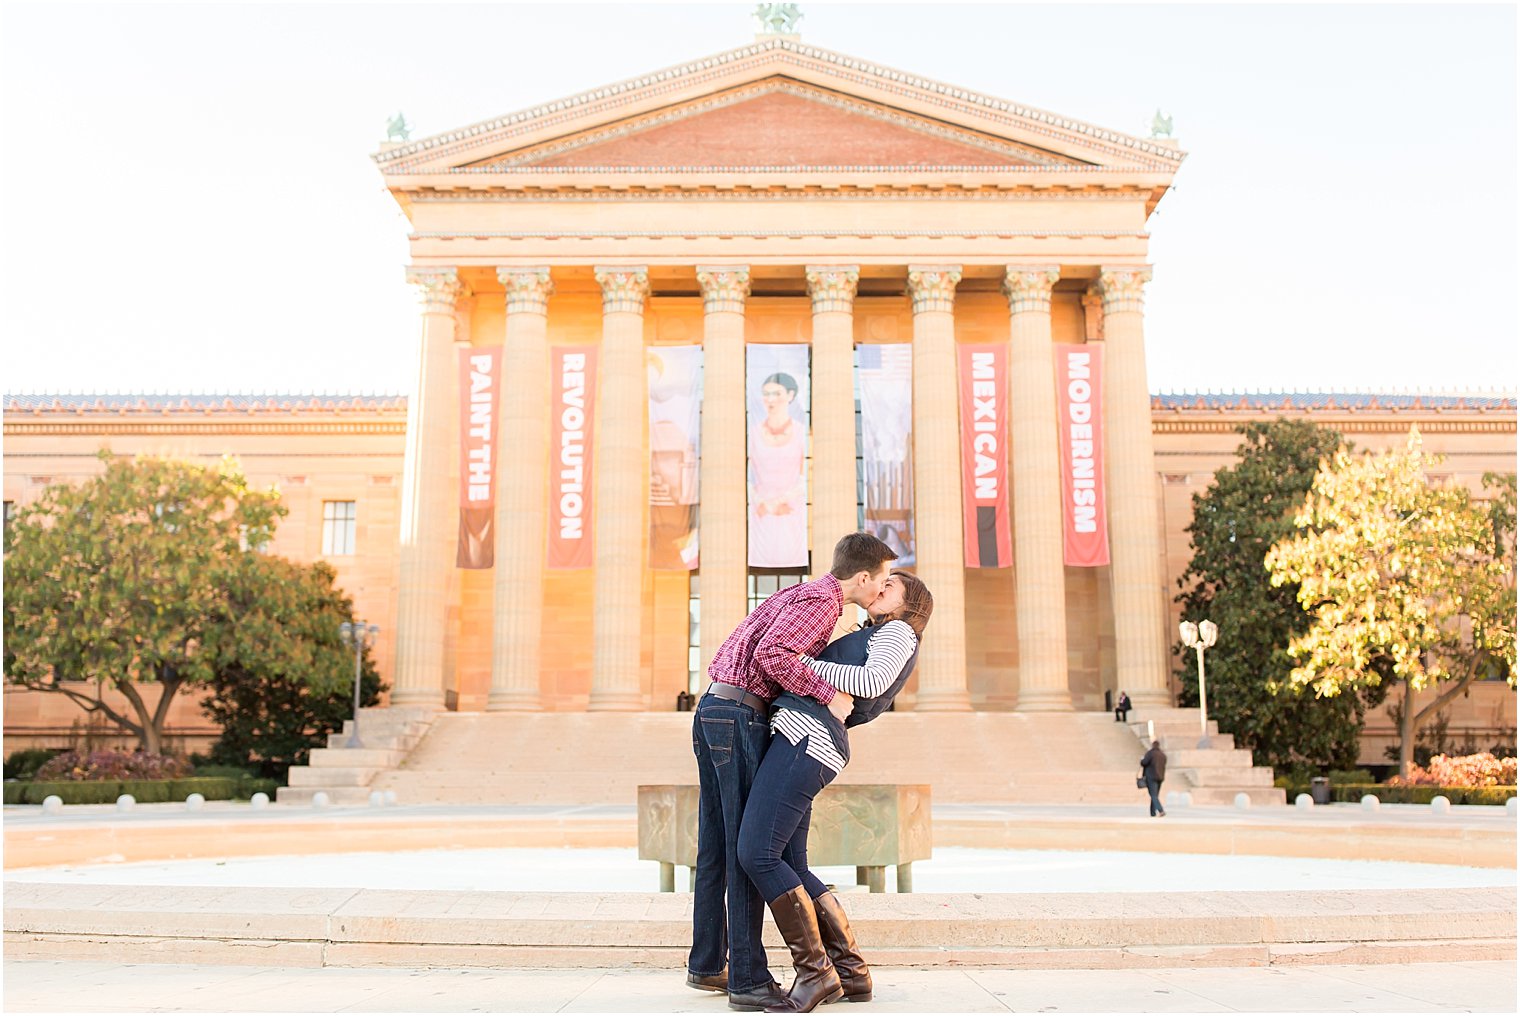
(1200, 636)
(360, 636)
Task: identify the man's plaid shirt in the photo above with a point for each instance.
(761, 654)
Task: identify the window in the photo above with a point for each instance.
(694, 635)
(10, 516)
(764, 582)
(338, 528)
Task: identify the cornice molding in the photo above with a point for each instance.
(803, 192)
(700, 234)
(44, 428)
(1396, 422)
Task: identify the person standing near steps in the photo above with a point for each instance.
(730, 732)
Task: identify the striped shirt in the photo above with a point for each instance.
(761, 654)
(887, 652)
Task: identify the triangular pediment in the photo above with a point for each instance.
(784, 106)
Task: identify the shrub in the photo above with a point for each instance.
(212, 788)
(1480, 770)
(113, 765)
(23, 764)
(73, 791)
(1390, 793)
(15, 793)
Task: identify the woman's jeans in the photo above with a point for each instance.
(773, 837)
(1154, 786)
(729, 740)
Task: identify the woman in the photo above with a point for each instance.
(778, 496)
(809, 749)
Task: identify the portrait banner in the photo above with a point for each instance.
(884, 386)
(984, 455)
(776, 387)
(479, 404)
(572, 406)
(675, 450)
(1079, 408)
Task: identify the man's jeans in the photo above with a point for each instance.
(1153, 786)
(729, 740)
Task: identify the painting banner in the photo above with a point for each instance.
(675, 450)
(479, 404)
(776, 387)
(1079, 407)
(884, 380)
(984, 455)
(572, 373)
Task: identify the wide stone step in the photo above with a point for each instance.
(1224, 776)
(1182, 757)
(1189, 742)
(339, 796)
(325, 777)
(351, 758)
(1209, 796)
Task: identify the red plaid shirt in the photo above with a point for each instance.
(761, 654)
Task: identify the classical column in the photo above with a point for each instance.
(1133, 512)
(832, 288)
(428, 499)
(622, 497)
(721, 515)
(1038, 570)
(937, 486)
(522, 491)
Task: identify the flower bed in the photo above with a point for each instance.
(212, 788)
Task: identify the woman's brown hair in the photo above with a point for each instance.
(918, 604)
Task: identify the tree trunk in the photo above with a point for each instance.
(1406, 731)
(150, 738)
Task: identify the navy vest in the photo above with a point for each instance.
(849, 649)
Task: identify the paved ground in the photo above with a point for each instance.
(103, 987)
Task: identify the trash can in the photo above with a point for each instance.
(1319, 789)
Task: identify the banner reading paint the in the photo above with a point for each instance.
(572, 372)
(675, 427)
(884, 386)
(479, 403)
(984, 455)
(776, 383)
(1079, 406)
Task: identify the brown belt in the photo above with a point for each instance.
(736, 694)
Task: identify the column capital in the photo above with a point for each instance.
(1028, 287)
(624, 288)
(932, 287)
(528, 289)
(724, 287)
(1092, 314)
(1122, 287)
(832, 287)
(439, 288)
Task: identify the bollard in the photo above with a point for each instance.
(1511, 806)
(1303, 802)
(1184, 799)
(52, 804)
(125, 802)
(376, 799)
(259, 800)
(194, 802)
(320, 799)
(1370, 802)
(1242, 801)
(1440, 805)
(390, 798)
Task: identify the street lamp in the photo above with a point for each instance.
(360, 636)
(1200, 636)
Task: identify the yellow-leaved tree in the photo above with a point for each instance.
(1407, 580)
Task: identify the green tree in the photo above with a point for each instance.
(113, 580)
(1408, 583)
(1248, 508)
(283, 679)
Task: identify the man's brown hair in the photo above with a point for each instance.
(860, 552)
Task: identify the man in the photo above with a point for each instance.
(1153, 768)
(730, 733)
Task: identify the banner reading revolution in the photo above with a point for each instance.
(984, 455)
(776, 379)
(572, 372)
(884, 387)
(1079, 408)
(479, 403)
(675, 428)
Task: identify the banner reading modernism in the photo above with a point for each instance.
(984, 455)
(479, 403)
(572, 387)
(675, 450)
(884, 380)
(776, 388)
(1079, 409)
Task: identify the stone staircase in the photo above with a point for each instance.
(347, 775)
(1212, 775)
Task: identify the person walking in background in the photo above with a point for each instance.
(1153, 771)
(1121, 711)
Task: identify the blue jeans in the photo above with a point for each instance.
(729, 739)
(773, 838)
(1154, 786)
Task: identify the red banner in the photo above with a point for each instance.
(479, 404)
(572, 370)
(1079, 408)
(984, 455)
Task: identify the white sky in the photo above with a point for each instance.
(190, 205)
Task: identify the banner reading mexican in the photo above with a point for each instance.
(884, 386)
(1079, 408)
(984, 455)
(675, 454)
(479, 404)
(572, 404)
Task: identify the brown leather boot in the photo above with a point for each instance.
(816, 982)
(839, 943)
